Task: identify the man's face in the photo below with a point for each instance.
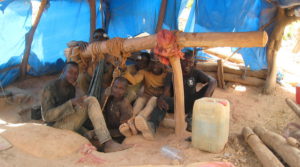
(98, 36)
(119, 89)
(157, 68)
(71, 74)
(187, 65)
(142, 63)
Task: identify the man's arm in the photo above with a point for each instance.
(134, 79)
(206, 79)
(161, 103)
(126, 111)
(50, 112)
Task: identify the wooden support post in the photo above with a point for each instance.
(161, 16)
(288, 153)
(29, 38)
(220, 74)
(265, 156)
(179, 96)
(92, 5)
(222, 56)
(295, 107)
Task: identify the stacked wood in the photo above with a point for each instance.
(250, 81)
(290, 154)
(222, 56)
(293, 106)
(265, 156)
(238, 70)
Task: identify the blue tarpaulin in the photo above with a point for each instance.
(66, 20)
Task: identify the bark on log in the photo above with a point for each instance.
(251, 81)
(231, 59)
(180, 124)
(289, 154)
(293, 106)
(92, 5)
(220, 74)
(161, 16)
(29, 38)
(212, 67)
(265, 156)
(213, 39)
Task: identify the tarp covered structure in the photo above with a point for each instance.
(66, 20)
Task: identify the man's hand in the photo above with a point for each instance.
(78, 101)
(116, 73)
(162, 104)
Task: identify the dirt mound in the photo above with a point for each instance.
(42, 141)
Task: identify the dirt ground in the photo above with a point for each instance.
(37, 145)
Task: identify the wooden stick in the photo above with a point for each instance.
(222, 56)
(295, 107)
(265, 156)
(29, 38)
(220, 74)
(179, 96)
(161, 16)
(251, 81)
(288, 153)
(212, 39)
(232, 69)
(92, 5)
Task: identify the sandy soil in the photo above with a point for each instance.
(33, 147)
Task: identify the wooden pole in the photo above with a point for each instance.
(225, 57)
(92, 4)
(161, 16)
(295, 107)
(213, 39)
(220, 74)
(102, 16)
(265, 156)
(29, 38)
(180, 124)
(231, 69)
(288, 153)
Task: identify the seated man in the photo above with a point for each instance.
(153, 79)
(165, 103)
(60, 108)
(118, 109)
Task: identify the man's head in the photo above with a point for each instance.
(143, 60)
(70, 72)
(187, 64)
(119, 88)
(99, 35)
(156, 67)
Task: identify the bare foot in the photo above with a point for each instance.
(132, 127)
(112, 146)
(125, 130)
(143, 126)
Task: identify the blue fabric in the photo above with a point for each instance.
(232, 16)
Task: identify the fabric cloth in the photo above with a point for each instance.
(58, 111)
(153, 83)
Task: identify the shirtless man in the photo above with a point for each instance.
(118, 109)
(61, 109)
(165, 102)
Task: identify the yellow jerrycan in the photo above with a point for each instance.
(210, 125)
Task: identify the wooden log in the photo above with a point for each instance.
(92, 5)
(212, 39)
(295, 107)
(288, 153)
(222, 56)
(251, 81)
(29, 38)
(239, 70)
(220, 74)
(161, 16)
(179, 96)
(265, 156)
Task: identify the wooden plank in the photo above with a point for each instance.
(295, 107)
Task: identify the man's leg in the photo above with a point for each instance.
(148, 128)
(151, 104)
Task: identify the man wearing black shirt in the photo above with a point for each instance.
(165, 103)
